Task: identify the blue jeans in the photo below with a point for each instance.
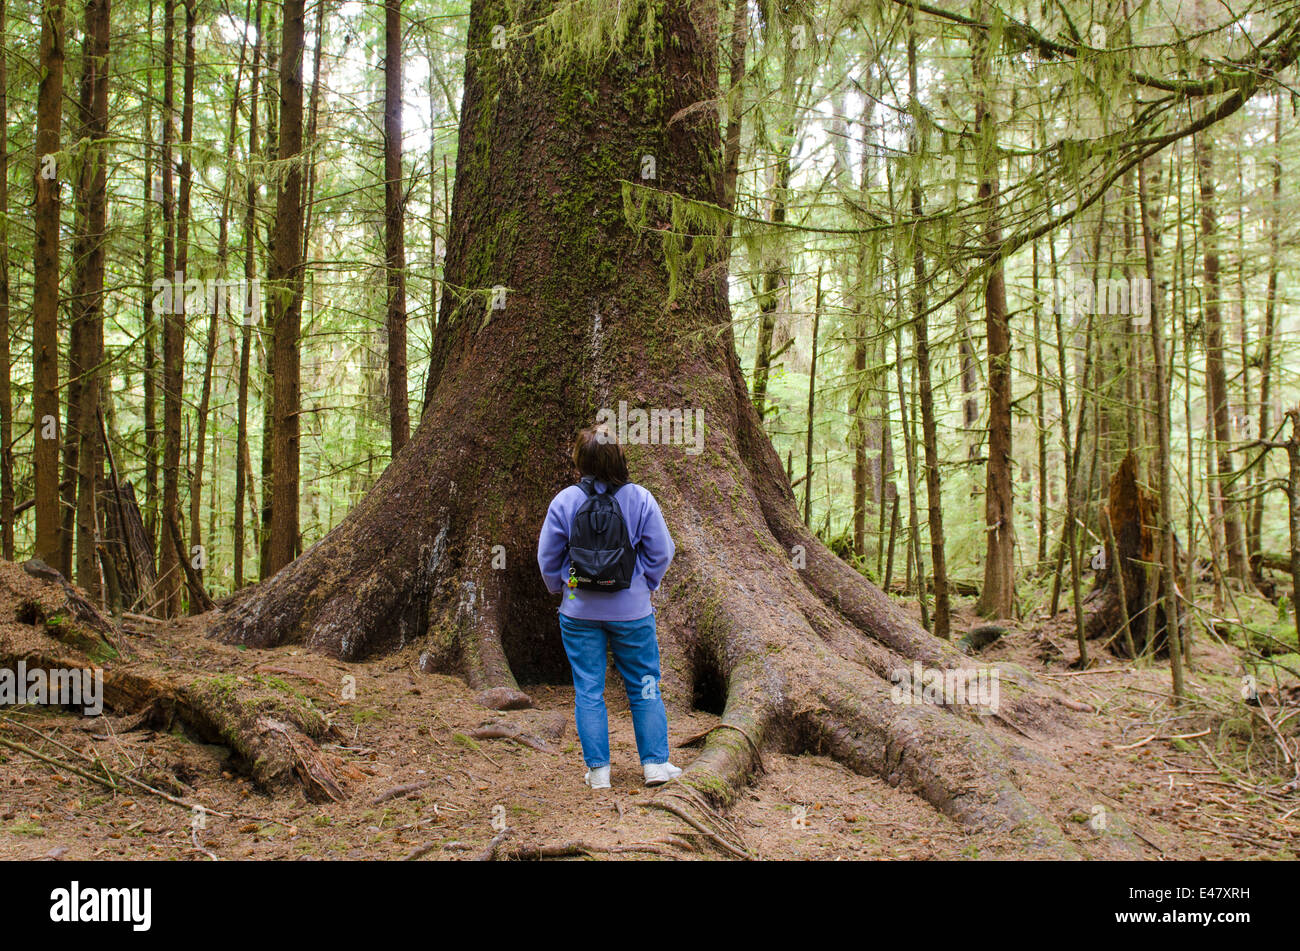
(636, 655)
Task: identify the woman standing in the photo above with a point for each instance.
(606, 582)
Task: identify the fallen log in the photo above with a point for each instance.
(271, 731)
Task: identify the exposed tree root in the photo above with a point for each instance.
(497, 730)
(269, 727)
(685, 801)
(56, 603)
(578, 848)
(403, 790)
(270, 732)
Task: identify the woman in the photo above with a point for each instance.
(622, 620)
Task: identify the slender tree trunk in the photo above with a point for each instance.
(859, 440)
(812, 396)
(271, 97)
(174, 331)
(148, 314)
(969, 373)
(776, 278)
(920, 326)
(173, 339)
(309, 137)
(907, 412)
(735, 103)
(1168, 562)
(1070, 454)
(285, 290)
(1040, 418)
(1244, 421)
(1184, 309)
(45, 283)
(88, 301)
(250, 309)
(908, 406)
(1293, 508)
(77, 375)
(1216, 379)
(399, 416)
(220, 307)
(997, 596)
(436, 211)
(6, 365)
(201, 436)
(860, 401)
(1269, 336)
(775, 295)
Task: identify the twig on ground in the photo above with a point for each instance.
(573, 849)
(108, 779)
(401, 791)
(415, 853)
(1154, 736)
(507, 731)
(194, 837)
(268, 669)
(490, 853)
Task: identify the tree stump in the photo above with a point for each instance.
(1124, 578)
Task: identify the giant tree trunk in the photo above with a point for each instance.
(758, 621)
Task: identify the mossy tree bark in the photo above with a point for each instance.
(399, 420)
(758, 620)
(285, 280)
(998, 595)
(45, 283)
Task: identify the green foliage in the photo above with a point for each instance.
(824, 92)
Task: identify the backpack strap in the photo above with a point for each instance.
(588, 485)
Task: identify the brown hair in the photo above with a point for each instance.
(597, 453)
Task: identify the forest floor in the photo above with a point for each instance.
(418, 786)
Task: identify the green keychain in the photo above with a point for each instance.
(572, 583)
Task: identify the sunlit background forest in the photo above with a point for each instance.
(1129, 159)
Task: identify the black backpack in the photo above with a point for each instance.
(600, 548)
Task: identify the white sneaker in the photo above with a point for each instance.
(656, 774)
(597, 778)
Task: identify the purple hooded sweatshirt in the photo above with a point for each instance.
(647, 532)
